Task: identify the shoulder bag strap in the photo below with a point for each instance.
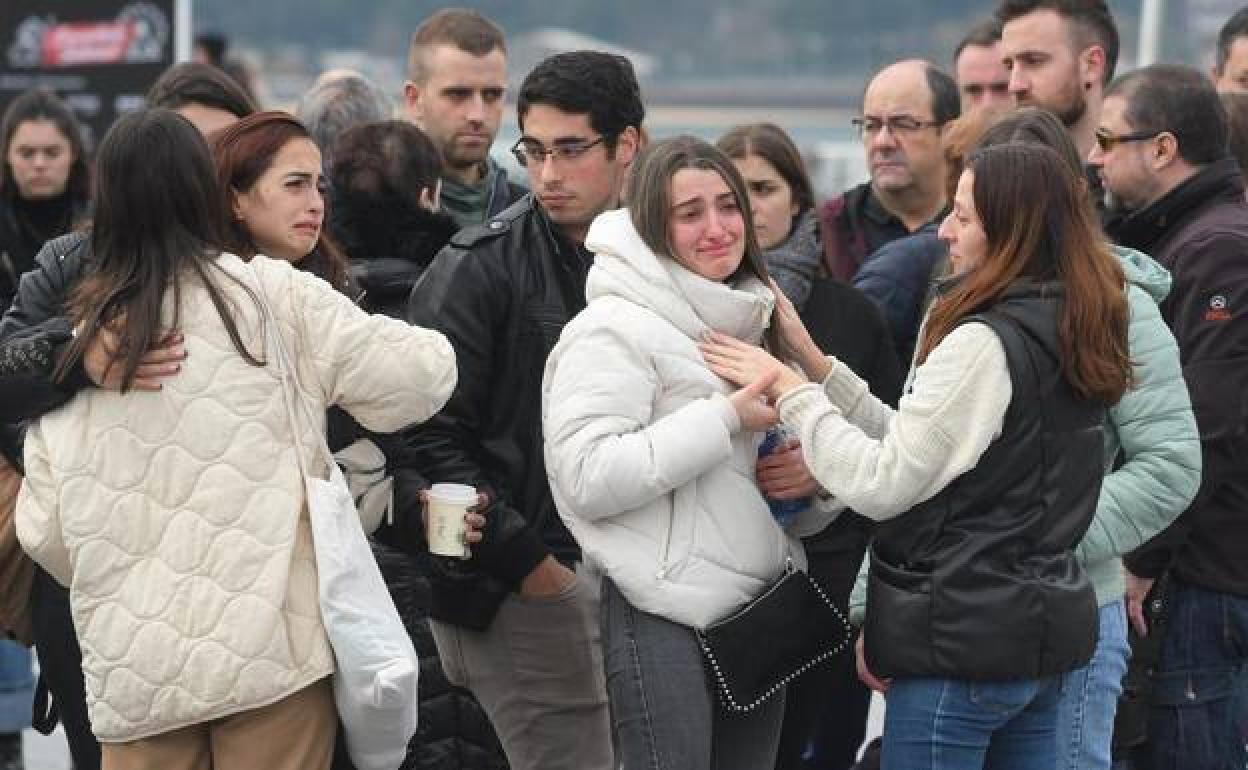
(291, 390)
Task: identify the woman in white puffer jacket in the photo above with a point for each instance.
(176, 516)
(652, 457)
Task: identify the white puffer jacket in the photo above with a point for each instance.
(647, 464)
(177, 517)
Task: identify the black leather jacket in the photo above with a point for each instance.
(34, 329)
(980, 582)
(501, 293)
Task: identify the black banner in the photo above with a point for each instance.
(99, 55)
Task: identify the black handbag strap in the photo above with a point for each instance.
(45, 715)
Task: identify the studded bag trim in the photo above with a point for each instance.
(787, 631)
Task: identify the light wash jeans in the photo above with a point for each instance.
(17, 687)
(663, 712)
(1085, 714)
(952, 724)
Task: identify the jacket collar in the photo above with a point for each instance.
(625, 267)
(1220, 180)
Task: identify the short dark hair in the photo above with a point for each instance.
(391, 160)
(985, 33)
(1234, 28)
(946, 101)
(1091, 19)
(1236, 104)
(770, 142)
(601, 85)
(196, 83)
(1179, 100)
(40, 104)
(378, 175)
(215, 45)
(468, 30)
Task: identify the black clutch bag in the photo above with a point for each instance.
(788, 630)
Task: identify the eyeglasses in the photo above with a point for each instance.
(527, 150)
(1107, 141)
(897, 124)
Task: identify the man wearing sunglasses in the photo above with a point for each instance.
(517, 623)
(1161, 148)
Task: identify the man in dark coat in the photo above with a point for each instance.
(1161, 151)
(518, 622)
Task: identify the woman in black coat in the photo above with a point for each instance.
(44, 182)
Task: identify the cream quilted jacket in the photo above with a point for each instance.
(177, 517)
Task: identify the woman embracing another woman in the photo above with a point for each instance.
(986, 476)
(177, 515)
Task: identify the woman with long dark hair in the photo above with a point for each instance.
(986, 476)
(176, 516)
(45, 185)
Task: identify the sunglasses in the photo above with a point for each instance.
(1107, 141)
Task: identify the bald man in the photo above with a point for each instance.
(904, 111)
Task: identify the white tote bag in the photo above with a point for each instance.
(364, 467)
(375, 682)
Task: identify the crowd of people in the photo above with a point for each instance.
(993, 401)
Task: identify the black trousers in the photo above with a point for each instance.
(826, 710)
(60, 671)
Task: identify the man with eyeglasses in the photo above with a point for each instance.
(517, 623)
(1161, 148)
(979, 68)
(904, 110)
(457, 74)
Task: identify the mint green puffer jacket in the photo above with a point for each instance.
(1152, 445)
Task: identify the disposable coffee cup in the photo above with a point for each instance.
(448, 503)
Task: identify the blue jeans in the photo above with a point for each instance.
(663, 713)
(17, 687)
(1196, 693)
(1085, 714)
(950, 724)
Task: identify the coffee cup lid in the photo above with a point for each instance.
(454, 493)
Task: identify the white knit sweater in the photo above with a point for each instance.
(882, 462)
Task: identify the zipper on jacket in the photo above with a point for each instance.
(661, 574)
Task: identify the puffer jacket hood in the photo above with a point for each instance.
(1144, 271)
(625, 267)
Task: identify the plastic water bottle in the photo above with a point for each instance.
(784, 511)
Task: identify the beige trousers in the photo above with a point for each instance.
(296, 733)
